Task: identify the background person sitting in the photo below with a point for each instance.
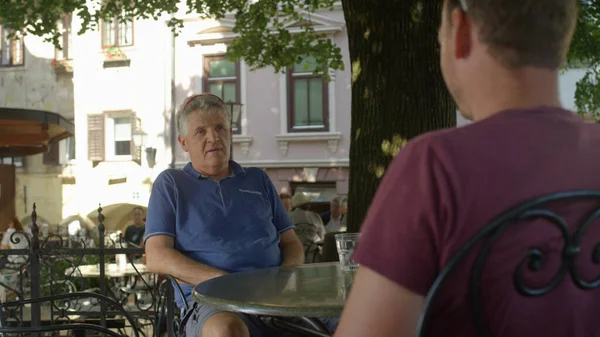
(333, 218)
(135, 232)
(309, 227)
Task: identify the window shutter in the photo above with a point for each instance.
(96, 137)
(136, 150)
(71, 150)
(51, 156)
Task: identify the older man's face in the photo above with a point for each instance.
(207, 141)
(334, 208)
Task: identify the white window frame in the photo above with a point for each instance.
(63, 31)
(109, 136)
(63, 151)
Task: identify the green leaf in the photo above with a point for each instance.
(585, 53)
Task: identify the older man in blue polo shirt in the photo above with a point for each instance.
(215, 217)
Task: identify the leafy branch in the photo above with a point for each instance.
(263, 38)
(585, 53)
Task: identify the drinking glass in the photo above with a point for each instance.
(346, 242)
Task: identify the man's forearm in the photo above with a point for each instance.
(292, 254)
(169, 261)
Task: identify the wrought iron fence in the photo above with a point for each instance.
(83, 285)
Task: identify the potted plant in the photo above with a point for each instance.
(114, 53)
(62, 66)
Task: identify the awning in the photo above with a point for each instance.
(25, 132)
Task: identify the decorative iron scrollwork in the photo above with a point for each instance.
(596, 254)
(53, 268)
(535, 259)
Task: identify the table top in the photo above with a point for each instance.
(310, 290)
(111, 270)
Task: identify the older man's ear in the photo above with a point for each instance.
(182, 141)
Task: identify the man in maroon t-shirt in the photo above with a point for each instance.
(500, 61)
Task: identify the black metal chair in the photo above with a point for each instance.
(54, 326)
(166, 303)
(487, 237)
(330, 253)
(308, 234)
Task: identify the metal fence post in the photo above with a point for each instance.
(34, 269)
(170, 313)
(101, 265)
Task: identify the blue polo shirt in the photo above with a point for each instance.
(232, 224)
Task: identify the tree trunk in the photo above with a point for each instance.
(397, 92)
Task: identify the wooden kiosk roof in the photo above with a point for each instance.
(25, 132)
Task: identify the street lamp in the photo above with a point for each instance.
(235, 109)
(139, 139)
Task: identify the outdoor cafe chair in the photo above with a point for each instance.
(476, 251)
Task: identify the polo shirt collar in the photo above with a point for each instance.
(234, 170)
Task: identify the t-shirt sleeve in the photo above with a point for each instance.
(400, 234)
(128, 234)
(162, 207)
(281, 220)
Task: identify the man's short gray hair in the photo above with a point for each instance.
(205, 104)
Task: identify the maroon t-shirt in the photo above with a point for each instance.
(445, 186)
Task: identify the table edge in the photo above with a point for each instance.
(265, 310)
(268, 310)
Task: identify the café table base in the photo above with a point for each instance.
(315, 328)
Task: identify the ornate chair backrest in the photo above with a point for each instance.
(309, 235)
(481, 243)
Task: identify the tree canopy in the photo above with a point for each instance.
(585, 53)
(258, 21)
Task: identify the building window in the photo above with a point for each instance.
(12, 50)
(52, 156)
(117, 33)
(307, 98)
(122, 136)
(221, 78)
(66, 38)
(110, 136)
(70, 149)
(60, 152)
(67, 150)
(17, 161)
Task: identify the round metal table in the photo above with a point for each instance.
(310, 290)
